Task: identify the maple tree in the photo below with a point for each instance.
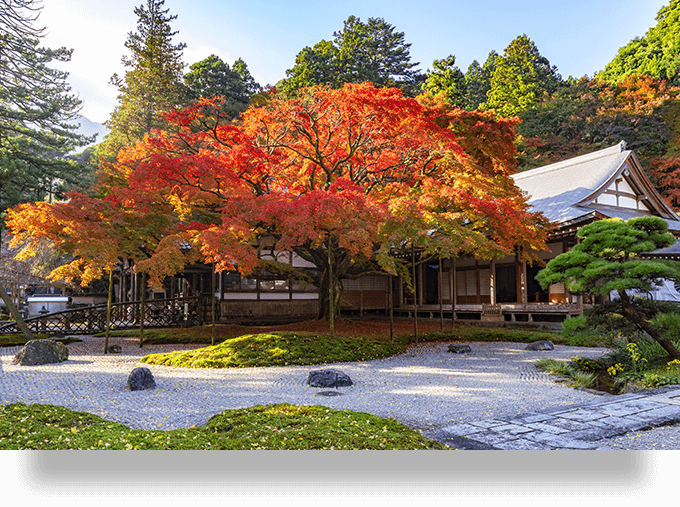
(93, 235)
(336, 176)
(343, 178)
(590, 114)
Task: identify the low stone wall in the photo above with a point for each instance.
(275, 310)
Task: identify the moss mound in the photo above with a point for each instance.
(280, 426)
(278, 349)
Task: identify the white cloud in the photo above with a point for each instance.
(196, 53)
(97, 32)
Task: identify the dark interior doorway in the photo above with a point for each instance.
(506, 284)
(431, 283)
(535, 294)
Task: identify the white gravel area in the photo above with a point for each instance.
(424, 388)
(662, 438)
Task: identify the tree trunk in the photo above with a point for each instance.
(212, 307)
(415, 294)
(142, 311)
(14, 313)
(331, 291)
(636, 317)
(324, 296)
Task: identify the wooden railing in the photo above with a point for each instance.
(175, 312)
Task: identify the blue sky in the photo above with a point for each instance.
(579, 36)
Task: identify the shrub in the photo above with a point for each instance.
(579, 332)
(669, 325)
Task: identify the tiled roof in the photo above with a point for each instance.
(563, 191)
(556, 189)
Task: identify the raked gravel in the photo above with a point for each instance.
(423, 388)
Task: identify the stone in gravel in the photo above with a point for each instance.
(541, 345)
(41, 352)
(115, 349)
(459, 349)
(141, 379)
(328, 378)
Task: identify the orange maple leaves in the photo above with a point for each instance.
(361, 167)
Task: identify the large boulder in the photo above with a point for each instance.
(459, 349)
(541, 345)
(328, 378)
(41, 352)
(141, 379)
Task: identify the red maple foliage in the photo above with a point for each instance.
(339, 177)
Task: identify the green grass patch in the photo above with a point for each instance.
(261, 427)
(569, 370)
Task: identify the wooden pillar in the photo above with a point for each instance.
(361, 296)
(525, 284)
(492, 282)
(440, 286)
(390, 303)
(454, 291)
(420, 284)
(479, 285)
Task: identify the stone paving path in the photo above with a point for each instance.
(574, 428)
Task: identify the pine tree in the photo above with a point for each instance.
(36, 111)
(608, 260)
(478, 81)
(153, 81)
(360, 52)
(448, 78)
(521, 77)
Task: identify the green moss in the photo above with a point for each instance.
(261, 427)
(278, 349)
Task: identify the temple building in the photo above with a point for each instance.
(609, 183)
(572, 193)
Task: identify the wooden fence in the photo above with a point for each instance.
(175, 312)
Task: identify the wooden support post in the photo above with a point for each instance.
(454, 292)
(391, 306)
(440, 290)
(492, 282)
(415, 291)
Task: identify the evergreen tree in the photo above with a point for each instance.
(657, 54)
(212, 77)
(521, 78)
(478, 81)
(37, 111)
(448, 78)
(371, 51)
(153, 81)
(607, 259)
(252, 87)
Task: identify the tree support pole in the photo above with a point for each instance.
(108, 313)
